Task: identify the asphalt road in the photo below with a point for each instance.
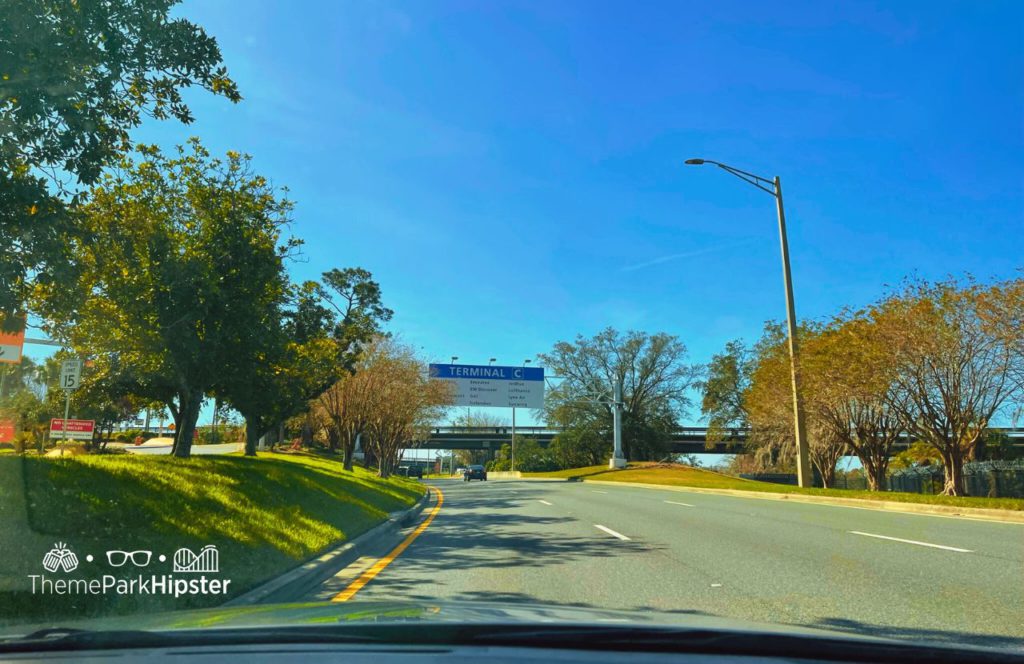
(601, 546)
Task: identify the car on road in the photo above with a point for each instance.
(415, 471)
(474, 473)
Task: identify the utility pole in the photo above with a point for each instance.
(618, 458)
(774, 187)
(803, 464)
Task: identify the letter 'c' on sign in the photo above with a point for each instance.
(518, 373)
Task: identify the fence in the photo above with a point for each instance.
(993, 479)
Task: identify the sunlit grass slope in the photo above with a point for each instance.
(265, 515)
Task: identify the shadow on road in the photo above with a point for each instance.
(916, 634)
(484, 528)
(489, 529)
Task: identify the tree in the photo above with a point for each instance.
(347, 407)
(655, 378)
(325, 338)
(75, 78)
(180, 256)
(728, 378)
(848, 387)
(769, 402)
(530, 457)
(480, 421)
(102, 396)
(952, 365)
(404, 402)
(578, 447)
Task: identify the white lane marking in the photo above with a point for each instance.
(610, 532)
(716, 585)
(906, 541)
(595, 491)
(672, 502)
(544, 501)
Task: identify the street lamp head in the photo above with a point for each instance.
(454, 357)
(695, 162)
(527, 361)
(493, 360)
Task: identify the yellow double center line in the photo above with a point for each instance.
(379, 566)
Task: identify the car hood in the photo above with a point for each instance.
(462, 612)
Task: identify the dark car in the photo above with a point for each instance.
(415, 471)
(475, 473)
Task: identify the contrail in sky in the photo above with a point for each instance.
(686, 254)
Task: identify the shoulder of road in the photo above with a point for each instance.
(266, 515)
(693, 480)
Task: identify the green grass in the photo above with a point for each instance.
(264, 514)
(695, 477)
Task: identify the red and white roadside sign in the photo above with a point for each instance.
(7, 431)
(77, 429)
(11, 344)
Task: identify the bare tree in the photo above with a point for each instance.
(399, 400)
(480, 421)
(954, 365)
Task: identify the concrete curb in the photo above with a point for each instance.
(316, 570)
(977, 513)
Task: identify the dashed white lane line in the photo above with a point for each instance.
(544, 501)
(596, 491)
(906, 541)
(611, 532)
(672, 502)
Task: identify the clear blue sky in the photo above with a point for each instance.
(512, 172)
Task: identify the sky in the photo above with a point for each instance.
(512, 172)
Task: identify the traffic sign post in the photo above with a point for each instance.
(70, 376)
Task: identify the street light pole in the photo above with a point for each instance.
(803, 467)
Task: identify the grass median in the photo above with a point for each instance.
(686, 476)
(264, 515)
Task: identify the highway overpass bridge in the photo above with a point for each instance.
(685, 440)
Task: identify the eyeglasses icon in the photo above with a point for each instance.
(119, 558)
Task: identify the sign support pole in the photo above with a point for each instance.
(513, 439)
(64, 424)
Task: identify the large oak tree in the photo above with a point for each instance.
(75, 78)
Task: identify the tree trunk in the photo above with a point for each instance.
(953, 467)
(190, 404)
(875, 475)
(349, 450)
(828, 477)
(252, 435)
(333, 438)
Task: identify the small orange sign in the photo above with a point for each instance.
(11, 344)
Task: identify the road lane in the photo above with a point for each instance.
(770, 561)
